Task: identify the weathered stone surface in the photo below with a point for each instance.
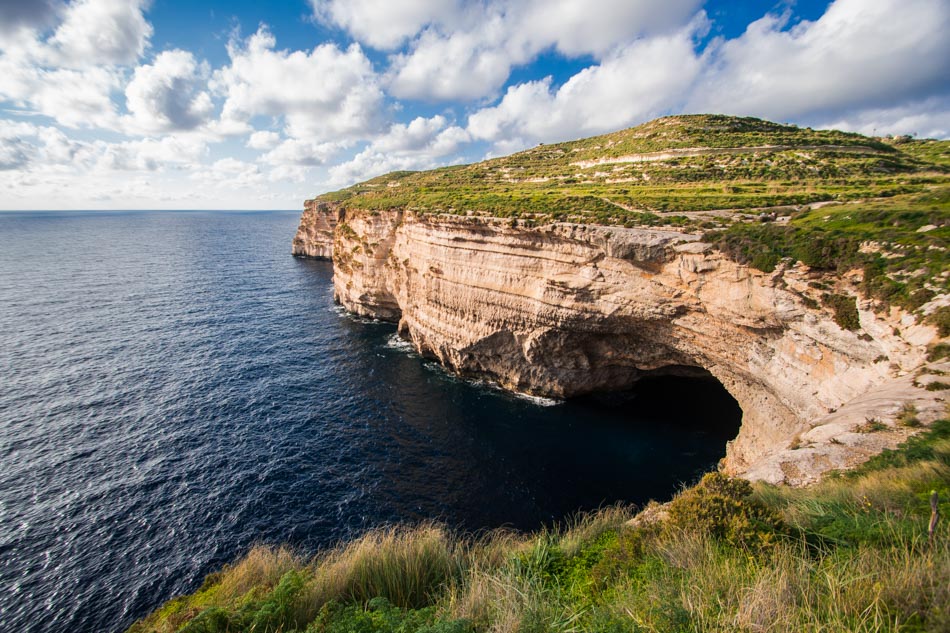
(314, 236)
(562, 310)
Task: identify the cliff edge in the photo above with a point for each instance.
(561, 303)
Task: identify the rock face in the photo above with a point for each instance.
(563, 309)
(314, 236)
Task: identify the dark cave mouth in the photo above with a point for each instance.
(681, 396)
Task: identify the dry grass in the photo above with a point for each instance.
(410, 567)
(850, 555)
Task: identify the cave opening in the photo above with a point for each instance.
(632, 445)
(678, 397)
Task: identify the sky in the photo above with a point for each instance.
(240, 104)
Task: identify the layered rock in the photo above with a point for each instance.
(561, 310)
(314, 236)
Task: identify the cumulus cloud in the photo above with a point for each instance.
(464, 65)
(385, 24)
(636, 83)
(168, 94)
(15, 150)
(75, 98)
(859, 54)
(420, 144)
(322, 95)
(263, 139)
(100, 32)
(72, 74)
(929, 118)
(153, 154)
(230, 172)
(471, 55)
(875, 67)
(301, 152)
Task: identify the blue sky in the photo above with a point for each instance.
(131, 104)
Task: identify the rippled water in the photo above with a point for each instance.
(174, 387)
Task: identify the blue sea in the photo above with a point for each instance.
(175, 387)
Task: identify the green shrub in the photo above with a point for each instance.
(845, 309)
(941, 318)
(724, 508)
(381, 616)
(938, 352)
(212, 620)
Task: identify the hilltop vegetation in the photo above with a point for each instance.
(760, 191)
(650, 173)
(848, 555)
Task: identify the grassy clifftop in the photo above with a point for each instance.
(760, 191)
(848, 555)
(652, 173)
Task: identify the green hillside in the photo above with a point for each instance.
(760, 191)
(663, 172)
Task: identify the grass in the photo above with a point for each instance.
(747, 163)
(848, 554)
(901, 265)
(889, 213)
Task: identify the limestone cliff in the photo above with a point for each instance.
(565, 309)
(314, 236)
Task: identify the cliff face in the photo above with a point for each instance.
(314, 236)
(562, 310)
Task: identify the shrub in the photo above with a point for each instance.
(938, 352)
(845, 310)
(724, 508)
(941, 318)
(908, 415)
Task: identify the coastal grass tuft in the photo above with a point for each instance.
(850, 553)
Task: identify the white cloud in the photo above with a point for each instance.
(859, 54)
(74, 98)
(463, 66)
(101, 32)
(326, 94)
(167, 95)
(72, 75)
(474, 57)
(263, 139)
(301, 152)
(636, 83)
(230, 172)
(929, 118)
(15, 150)
(153, 154)
(385, 24)
(597, 26)
(420, 144)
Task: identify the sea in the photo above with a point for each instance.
(175, 388)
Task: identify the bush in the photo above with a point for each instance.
(845, 309)
(724, 508)
(381, 616)
(941, 318)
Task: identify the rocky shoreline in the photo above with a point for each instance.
(564, 309)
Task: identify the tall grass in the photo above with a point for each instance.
(408, 567)
(849, 554)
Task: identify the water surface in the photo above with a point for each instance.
(176, 387)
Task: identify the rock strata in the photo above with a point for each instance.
(314, 236)
(564, 309)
